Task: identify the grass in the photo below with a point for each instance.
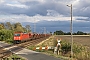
(81, 46)
(48, 42)
(81, 43)
(15, 57)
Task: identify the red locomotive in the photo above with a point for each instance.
(22, 37)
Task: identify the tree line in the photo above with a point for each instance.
(60, 32)
(15, 27)
(7, 30)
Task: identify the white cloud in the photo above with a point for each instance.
(1, 1)
(15, 3)
(24, 1)
(18, 5)
(37, 18)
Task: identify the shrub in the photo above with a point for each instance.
(6, 35)
(80, 52)
(65, 47)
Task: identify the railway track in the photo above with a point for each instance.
(8, 50)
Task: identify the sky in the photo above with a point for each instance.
(52, 14)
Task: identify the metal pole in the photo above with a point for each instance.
(71, 27)
(71, 34)
(45, 31)
(34, 27)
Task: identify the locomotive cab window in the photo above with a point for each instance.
(16, 34)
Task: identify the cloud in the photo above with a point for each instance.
(17, 5)
(36, 11)
(1, 1)
(34, 7)
(82, 8)
(51, 16)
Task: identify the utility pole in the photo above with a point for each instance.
(71, 31)
(45, 31)
(34, 27)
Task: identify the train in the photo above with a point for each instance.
(20, 37)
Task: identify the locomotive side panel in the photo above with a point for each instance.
(24, 37)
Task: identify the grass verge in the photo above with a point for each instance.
(15, 57)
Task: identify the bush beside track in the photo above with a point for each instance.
(6, 35)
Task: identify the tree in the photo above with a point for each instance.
(28, 28)
(9, 26)
(68, 33)
(1, 26)
(51, 33)
(80, 33)
(18, 27)
(59, 32)
(6, 35)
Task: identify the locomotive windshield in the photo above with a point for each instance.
(16, 34)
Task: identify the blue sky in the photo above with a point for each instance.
(53, 13)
